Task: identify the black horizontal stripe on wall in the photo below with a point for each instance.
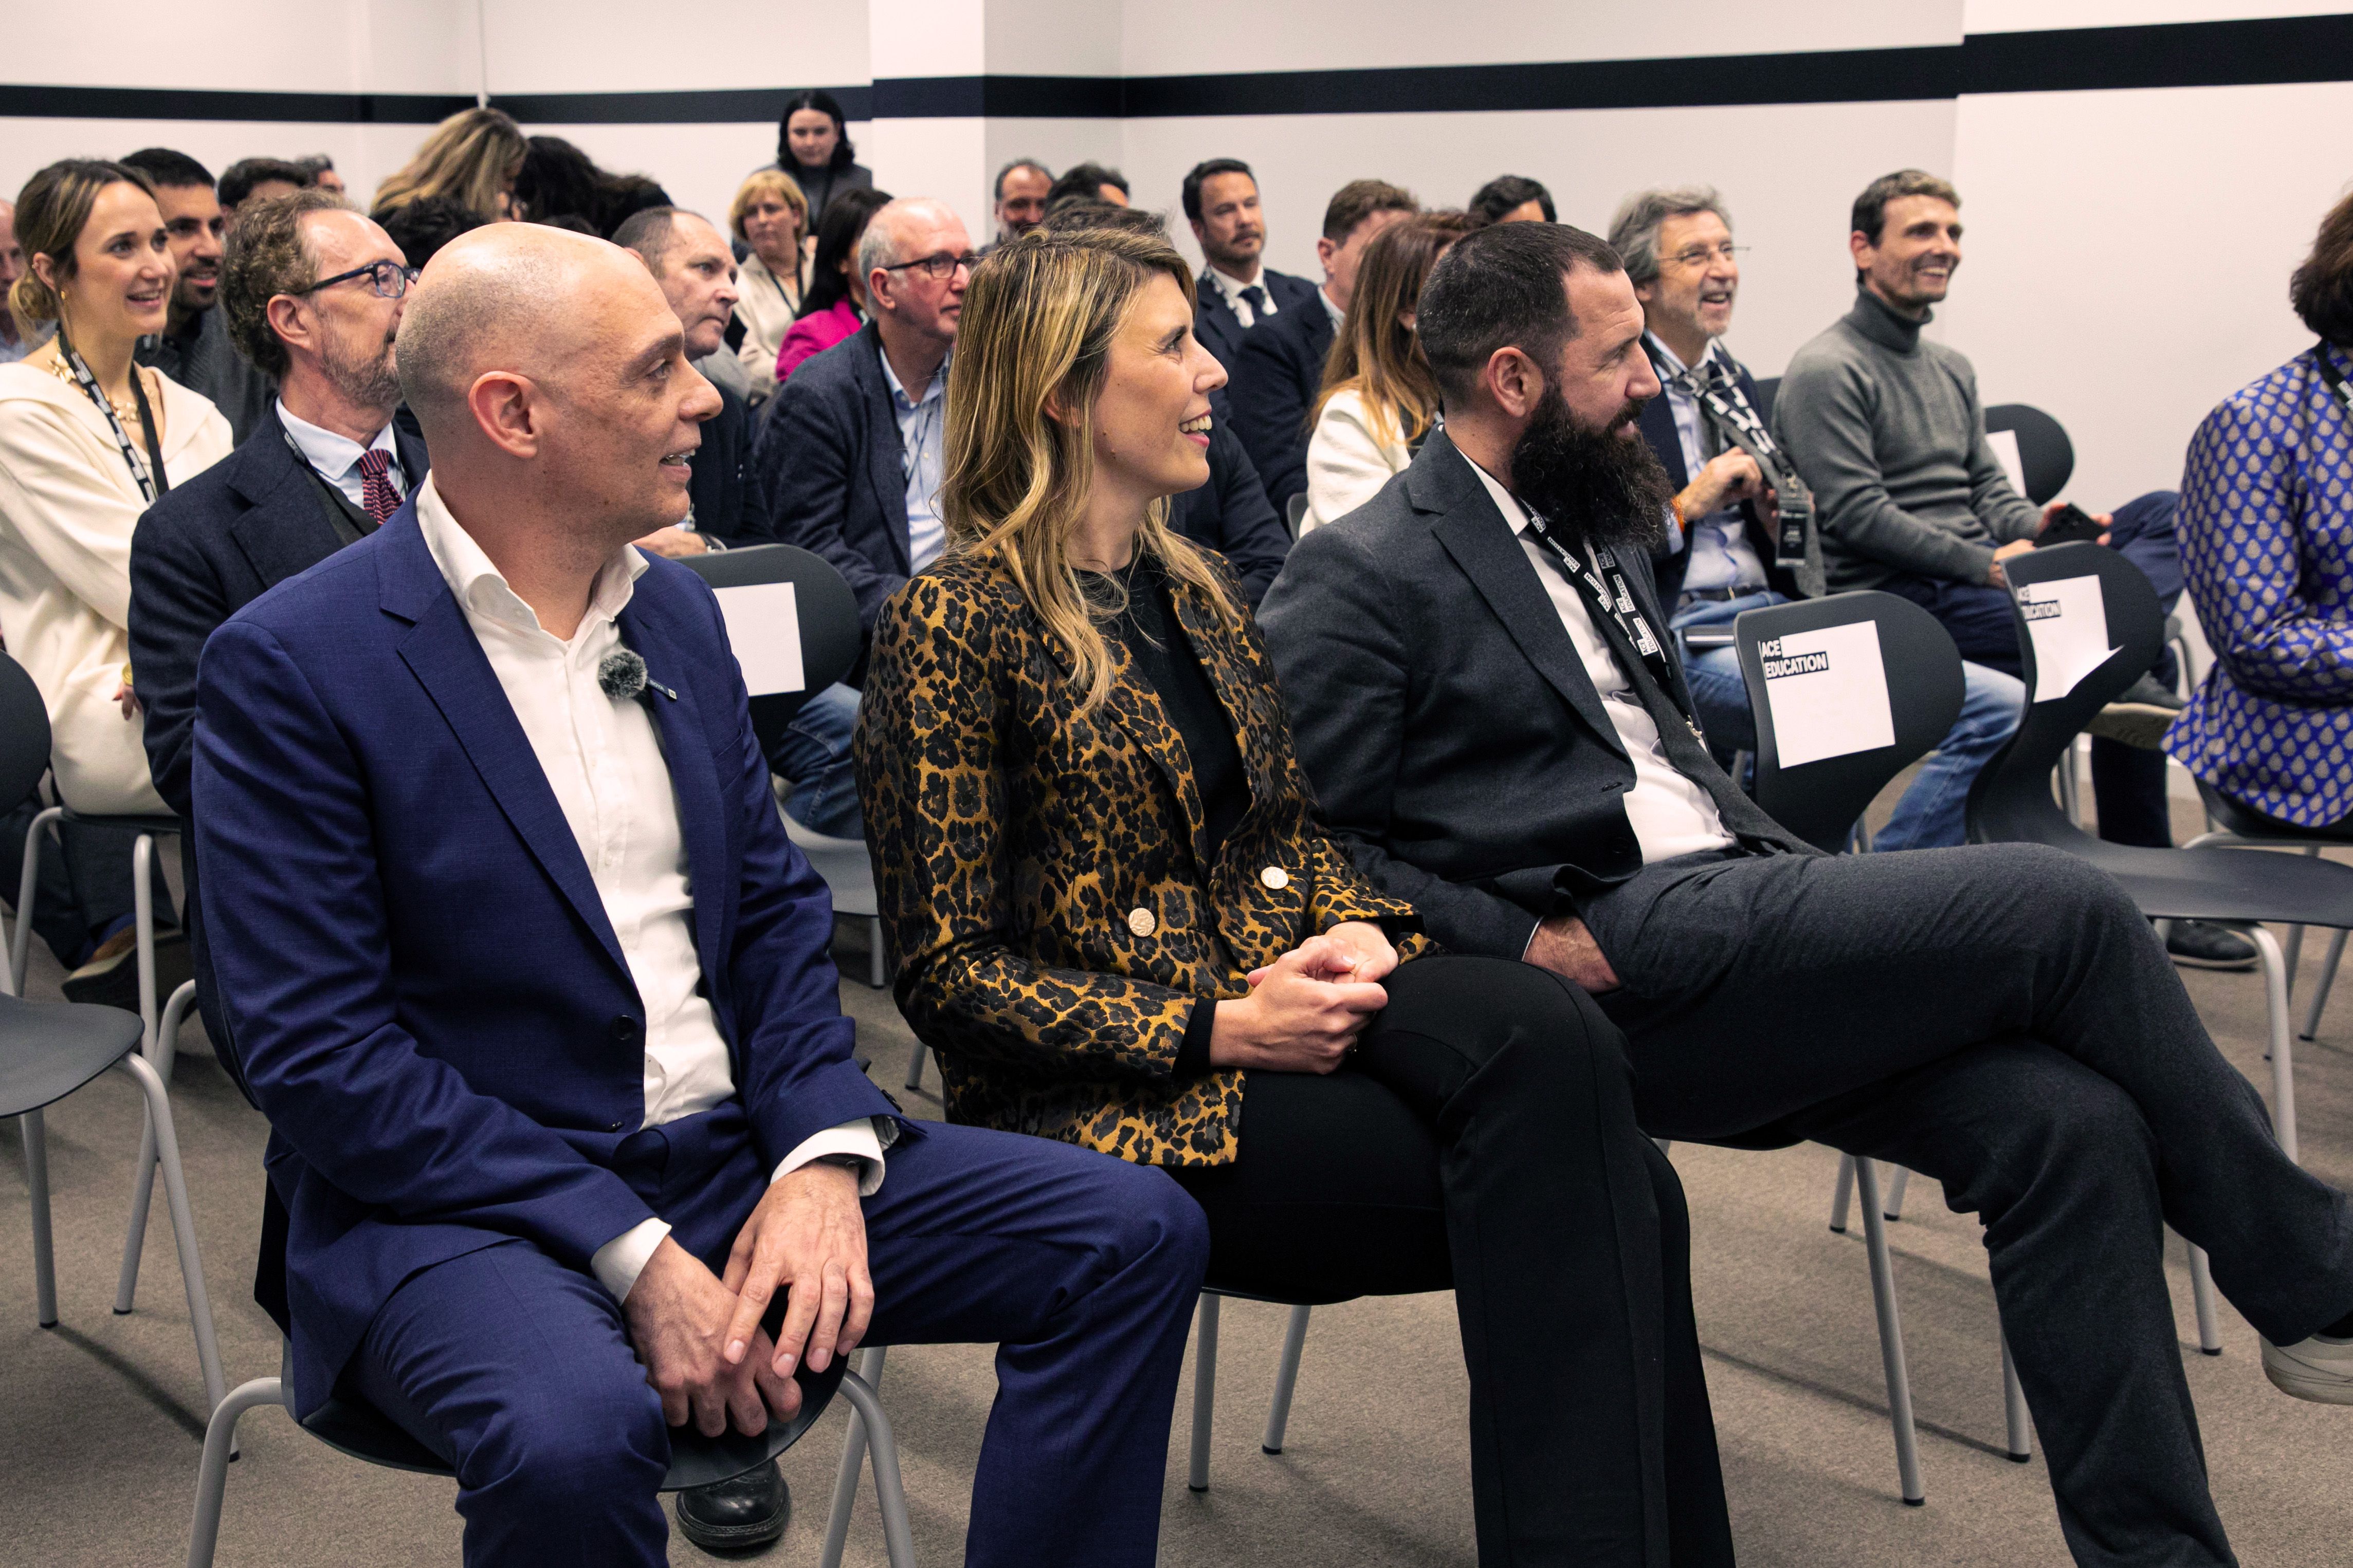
(2265, 52)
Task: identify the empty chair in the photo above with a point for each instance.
(823, 607)
(2046, 458)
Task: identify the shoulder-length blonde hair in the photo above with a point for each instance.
(472, 158)
(1376, 353)
(1039, 323)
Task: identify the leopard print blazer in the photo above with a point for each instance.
(1046, 889)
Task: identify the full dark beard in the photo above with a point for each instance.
(1591, 484)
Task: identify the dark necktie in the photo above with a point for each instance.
(377, 495)
(1256, 296)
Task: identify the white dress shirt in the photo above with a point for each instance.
(337, 457)
(1671, 815)
(1721, 555)
(604, 760)
(1231, 288)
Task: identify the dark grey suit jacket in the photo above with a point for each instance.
(1440, 709)
(829, 462)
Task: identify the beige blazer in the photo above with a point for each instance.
(1347, 461)
(765, 304)
(68, 505)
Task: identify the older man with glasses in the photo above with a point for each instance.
(852, 461)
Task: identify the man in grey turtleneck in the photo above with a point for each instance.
(1887, 429)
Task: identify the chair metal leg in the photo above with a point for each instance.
(915, 1068)
(867, 1366)
(2201, 1296)
(44, 1257)
(1891, 1335)
(2283, 1051)
(875, 975)
(212, 1470)
(2014, 1408)
(890, 1492)
(159, 1052)
(1844, 1192)
(183, 1226)
(2328, 979)
(45, 826)
(1205, 1393)
(143, 904)
(1286, 1378)
(1896, 1192)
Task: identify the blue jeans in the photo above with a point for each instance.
(815, 754)
(1932, 813)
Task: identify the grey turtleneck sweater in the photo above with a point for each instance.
(1889, 434)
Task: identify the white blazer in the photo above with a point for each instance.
(765, 303)
(1347, 460)
(67, 504)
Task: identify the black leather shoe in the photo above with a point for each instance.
(750, 1511)
(2200, 944)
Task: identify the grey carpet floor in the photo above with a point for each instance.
(100, 1420)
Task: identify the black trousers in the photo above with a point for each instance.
(1483, 1135)
(2001, 1018)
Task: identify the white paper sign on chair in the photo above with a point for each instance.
(764, 628)
(2068, 622)
(1828, 693)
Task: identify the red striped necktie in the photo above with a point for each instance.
(376, 494)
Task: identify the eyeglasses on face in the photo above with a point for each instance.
(937, 265)
(1702, 255)
(390, 278)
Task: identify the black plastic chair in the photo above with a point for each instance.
(2011, 803)
(2045, 456)
(2230, 823)
(828, 611)
(1293, 508)
(358, 1430)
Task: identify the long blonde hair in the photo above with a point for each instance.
(472, 158)
(1375, 353)
(1039, 324)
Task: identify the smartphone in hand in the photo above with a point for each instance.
(2070, 523)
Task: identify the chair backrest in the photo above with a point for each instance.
(1820, 796)
(24, 736)
(826, 609)
(2045, 456)
(2011, 800)
(1293, 510)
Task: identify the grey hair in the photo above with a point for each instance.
(1634, 232)
(878, 246)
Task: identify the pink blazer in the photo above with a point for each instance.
(815, 335)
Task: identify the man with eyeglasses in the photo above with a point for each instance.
(313, 292)
(1723, 550)
(194, 347)
(851, 460)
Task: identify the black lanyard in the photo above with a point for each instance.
(1717, 393)
(2333, 376)
(148, 488)
(1603, 587)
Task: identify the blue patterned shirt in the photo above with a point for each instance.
(2266, 529)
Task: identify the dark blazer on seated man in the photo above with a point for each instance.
(1220, 330)
(725, 488)
(830, 463)
(1276, 379)
(1232, 515)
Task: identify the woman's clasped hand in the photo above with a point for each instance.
(1307, 1008)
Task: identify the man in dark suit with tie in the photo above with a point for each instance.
(1482, 693)
(1279, 369)
(1236, 290)
(534, 990)
(312, 293)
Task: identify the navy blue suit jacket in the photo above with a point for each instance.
(430, 1003)
(1222, 331)
(1276, 379)
(1659, 431)
(722, 483)
(1230, 515)
(831, 465)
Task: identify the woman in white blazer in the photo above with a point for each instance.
(769, 214)
(83, 433)
(1378, 398)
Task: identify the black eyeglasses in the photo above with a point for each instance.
(938, 266)
(390, 278)
(1701, 255)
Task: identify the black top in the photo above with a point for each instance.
(1148, 629)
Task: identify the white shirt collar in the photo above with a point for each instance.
(481, 589)
(1339, 316)
(1674, 361)
(1232, 287)
(938, 387)
(332, 455)
(1505, 502)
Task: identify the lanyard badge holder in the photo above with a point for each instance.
(1717, 394)
(149, 487)
(1599, 581)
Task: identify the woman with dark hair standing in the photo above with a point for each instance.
(88, 441)
(1119, 922)
(813, 147)
(833, 306)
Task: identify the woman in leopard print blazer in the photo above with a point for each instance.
(1118, 923)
